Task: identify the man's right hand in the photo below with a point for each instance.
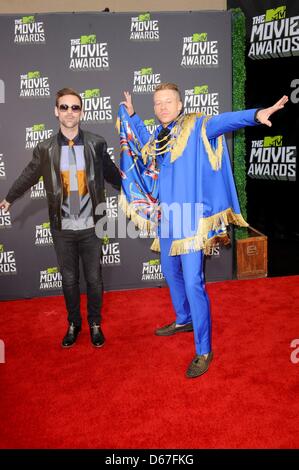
(4, 205)
(128, 103)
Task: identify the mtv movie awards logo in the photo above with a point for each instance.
(5, 220)
(2, 168)
(33, 85)
(269, 159)
(7, 261)
(144, 29)
(145, 81)
(110, 253)
(96, 107)
(151, 125)
(199, 52)
(43, 235)
(199, 100)
(50, 278)
(35, 134)
(38, 190)
(88, 54)
(27, 30)
(214, 250)
(274, 35)
(112, 207)
(151, 271)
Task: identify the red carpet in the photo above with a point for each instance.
(132, 393)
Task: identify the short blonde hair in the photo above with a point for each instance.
(169, 86)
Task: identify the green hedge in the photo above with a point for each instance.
(239, 77)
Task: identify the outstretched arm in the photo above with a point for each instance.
(264, 114)
(228, 122)
(139, 124)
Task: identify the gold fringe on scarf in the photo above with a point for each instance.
(117, 125)
(201, 240)
(155, 246)
(215, 156)
(131, 213)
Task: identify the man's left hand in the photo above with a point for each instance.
(264, 114)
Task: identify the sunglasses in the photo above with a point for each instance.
(75, 108)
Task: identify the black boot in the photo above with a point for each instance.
(96, 335)
(71, 335)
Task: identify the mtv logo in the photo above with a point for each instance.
(144, 17)
(105, 240)
(38, 127)
(146, 71)
(153, 262)
(35, 74)
(149, 122)
(199, 37)
(46, 225)
(93, 93)
(2, 91)
(201, 90)
(1, 248)
(275, 141)
(52, 270)
(41, 178)
(276, 13)
(91, 39)
(27, 19)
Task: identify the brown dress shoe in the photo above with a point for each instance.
(172, 329)
(199, 365)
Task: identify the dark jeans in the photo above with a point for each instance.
(70, 245)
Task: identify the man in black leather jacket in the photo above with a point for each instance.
(74, 165)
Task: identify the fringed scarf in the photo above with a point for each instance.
(195, 174)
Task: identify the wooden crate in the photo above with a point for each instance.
(252, 255)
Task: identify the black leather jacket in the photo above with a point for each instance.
(46, 162)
